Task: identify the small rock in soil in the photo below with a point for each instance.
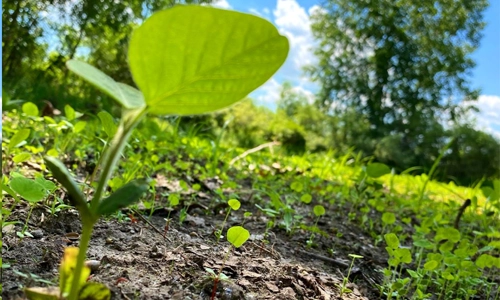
(8, 229)
(272, 287)
(37, 234)
(288, 292)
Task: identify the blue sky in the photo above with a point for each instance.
(292, 19)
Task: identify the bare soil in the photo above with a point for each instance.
(136, 260)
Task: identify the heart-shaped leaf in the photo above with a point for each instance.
(237, 235)
(234, 204)
(30, 109)
(319, 210)
(125, 95)
(28, 189)
(123, 197)
(195, 59)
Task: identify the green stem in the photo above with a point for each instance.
(223, 224)
(25, 227)
(82, 252)
(129, 120)
(111, 156)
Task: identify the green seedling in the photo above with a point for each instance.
(173, 200)
(246, 216)
(345, 281)
(388, 218)
(233, 205)
(237, 236)
(318, 210)
(180, 69)
(86, 290)
(397, 256)
(33, 191)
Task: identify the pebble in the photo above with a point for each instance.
(93, 265)
(37, 233)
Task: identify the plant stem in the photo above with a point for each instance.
(82, 253)
(216, 280)
(129, 120)
(25, 227)
(223, 224)
(112, 154)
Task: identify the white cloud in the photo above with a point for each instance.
(293, 21)
(305, 92)
(222, 4)
(488, 117)
(269, 93)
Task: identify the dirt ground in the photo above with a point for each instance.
(136, 261)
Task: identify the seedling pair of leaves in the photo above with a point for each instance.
(67, 277)
(185, 60)
(233, 205)
(237, 236)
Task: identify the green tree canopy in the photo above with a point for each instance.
(54, 31)
(400, 63)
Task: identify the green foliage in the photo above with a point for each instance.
(237, 236)
(127, 96)
(123, 197)
(234, 204)
(376, 170)
(197, 79)
(94, 31)
(414, 54)
(28, 189)
(20, 136)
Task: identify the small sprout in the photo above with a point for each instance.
(388, 218)
(306, 198)
(318, 211)
(297, 186)
(237, 236)
(233, 205)
(343, 288)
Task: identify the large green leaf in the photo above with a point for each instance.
(123, 197)
(194, 59)
(126, 95)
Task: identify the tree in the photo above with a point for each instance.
(401, 63)
(473, 155)
(39, 36)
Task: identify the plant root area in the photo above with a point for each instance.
(137, 260)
